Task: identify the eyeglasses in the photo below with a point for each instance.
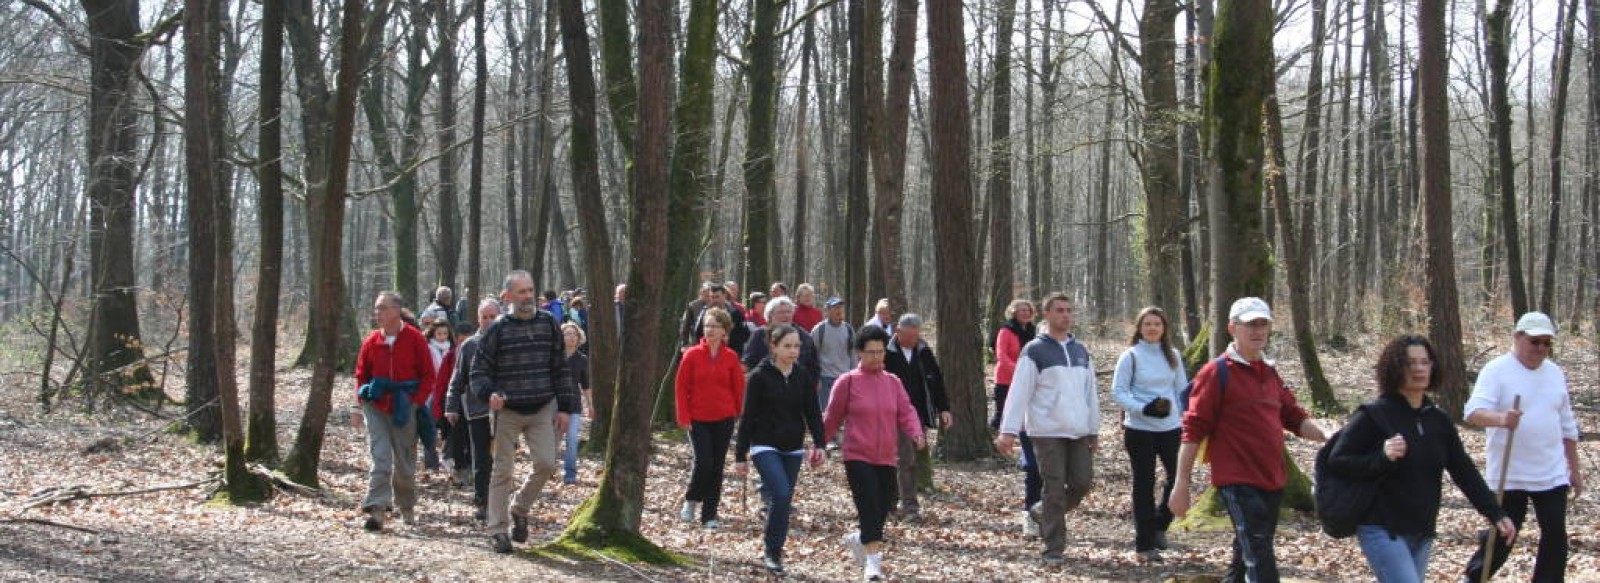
(1542, 342)
(874, 352)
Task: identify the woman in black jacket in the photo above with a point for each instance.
(780, 408)
(1398, 531)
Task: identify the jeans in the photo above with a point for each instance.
(1255, 522)
(1067, 466)
(1032, 482)
(872, 488)
(1144, 449)
(536, 428)
(569, 460)
(1550, 507)
(710, 440)
(824, 391)
(780, 472)
(1395, 558)
(480, 433)
(392, 481)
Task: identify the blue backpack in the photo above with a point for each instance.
(1222, 383)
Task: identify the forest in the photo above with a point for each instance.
(202, 198)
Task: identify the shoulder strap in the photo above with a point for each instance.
(1222, 385)
(1376, 413)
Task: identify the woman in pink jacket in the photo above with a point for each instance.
(873, 404)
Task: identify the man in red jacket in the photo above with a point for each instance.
(1244, 415)
(394, 376)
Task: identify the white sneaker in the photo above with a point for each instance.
(874, 568)
(858, 551)
(1030, 527)
(690, 512)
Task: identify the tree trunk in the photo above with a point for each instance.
(1241, 77)
(480, 104)
(329, 121)
(958, 268)
(261, 441)
(1164, 203)
(760, 204)
(612, 516)
(1497, 48)
(1305, 205)
(1444, 319)
(1558, 120)
(856, 199)
(1002, 261)
(616, 62)
(115, 47)
(1296, 267)
(585, 154)
(802, 160)
(448, 248)
(200, 76)
(889, 157)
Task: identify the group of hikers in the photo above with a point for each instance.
(784, 383)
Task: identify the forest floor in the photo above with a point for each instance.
(969, 532)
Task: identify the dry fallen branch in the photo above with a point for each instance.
(51, 496)
(282, 482)
(44, 522)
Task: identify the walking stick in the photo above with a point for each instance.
(744, 492)
(1499, 496)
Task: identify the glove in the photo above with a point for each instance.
(1159, 408)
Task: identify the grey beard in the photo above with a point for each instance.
(522, 311)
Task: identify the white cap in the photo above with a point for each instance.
(1249, 309)
(1536, 324)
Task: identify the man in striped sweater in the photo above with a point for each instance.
(520, 371)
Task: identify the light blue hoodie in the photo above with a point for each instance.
(1142, 375)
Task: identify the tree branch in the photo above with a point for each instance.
(66, 31)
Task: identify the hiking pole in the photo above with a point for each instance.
(744, 492)
(1499, 497)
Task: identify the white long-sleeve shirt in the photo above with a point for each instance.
(1143, 375)
(1538, 456)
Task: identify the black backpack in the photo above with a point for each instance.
(1343, 502)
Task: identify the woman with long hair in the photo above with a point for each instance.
(710, 395)
(1146, 383)
(442, 347)
(780, 409)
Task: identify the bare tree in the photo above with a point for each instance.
(958, 269)
(1497, 46)
(1433, 85)
(261, 442)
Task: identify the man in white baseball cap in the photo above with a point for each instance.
(1544, 456)
(1241, 407)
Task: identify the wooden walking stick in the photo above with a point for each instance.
(1500, 496)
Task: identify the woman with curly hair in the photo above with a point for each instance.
(1398, 531)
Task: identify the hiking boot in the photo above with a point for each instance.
(1150, 556)
(519, 528)
(691, 509)
(1053, 559)
(408, 516)
(1160, 540)
(858, 551)
(773, 562)
(712, 524)
(374, 521)
(1030, 522)
(502, 543)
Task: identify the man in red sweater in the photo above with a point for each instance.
(1244, 418)
(394, 376)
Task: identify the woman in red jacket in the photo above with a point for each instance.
(710, 391)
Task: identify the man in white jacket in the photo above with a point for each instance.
(1053, 396)
(1544, 457)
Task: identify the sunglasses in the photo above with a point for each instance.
(1542, 342)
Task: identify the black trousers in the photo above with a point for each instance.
(479, 436)
(1144, 449)
(457, 441)
(1255, 523)
(1550, 507)
(873, 489)
(710, 440)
